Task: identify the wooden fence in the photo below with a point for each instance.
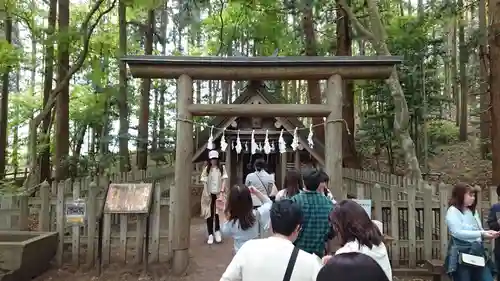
(45, 212)
(412, 213)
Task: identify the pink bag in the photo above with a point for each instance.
(220, 202)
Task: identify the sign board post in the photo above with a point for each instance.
(132, 199)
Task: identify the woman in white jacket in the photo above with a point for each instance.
(214, 178)
(358, 233)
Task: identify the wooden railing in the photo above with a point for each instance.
(411, 212)
(45, 212)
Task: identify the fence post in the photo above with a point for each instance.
(427, 221)
(24, 212)
(44, 215)
(6, 205)
(60, 223)
(443, 202)
(377, 202)
(75, 229)
(412, 187)
(156, 220)
(394, 222)
(91, 222)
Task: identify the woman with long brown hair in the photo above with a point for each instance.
(292, 186)
(213, 177)
(357, 233)
(243, 222)
(467, 259)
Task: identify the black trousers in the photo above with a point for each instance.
(213, 215)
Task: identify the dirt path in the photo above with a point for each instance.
(207, 263)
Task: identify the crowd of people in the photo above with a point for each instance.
(289, 239)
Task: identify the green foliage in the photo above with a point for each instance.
(262, 23)
(412, 39)
(442, 132)
(10, 57)
(235, 27)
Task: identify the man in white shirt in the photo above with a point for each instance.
(262, 181)
(275, 258)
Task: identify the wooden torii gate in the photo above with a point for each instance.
(187, 69)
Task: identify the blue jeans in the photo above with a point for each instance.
(471, 273)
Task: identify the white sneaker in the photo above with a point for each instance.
(210, 240)
(218, 237)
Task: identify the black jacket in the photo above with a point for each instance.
(494, 225)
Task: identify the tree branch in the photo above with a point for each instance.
(355, 21)
(81, 58)
(143, 27)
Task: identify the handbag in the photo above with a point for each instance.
(291, 264)
(472, 260)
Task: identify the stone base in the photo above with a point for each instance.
(25, 254)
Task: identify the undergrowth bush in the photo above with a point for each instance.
(442, 132)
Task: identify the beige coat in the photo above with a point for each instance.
(206, 199)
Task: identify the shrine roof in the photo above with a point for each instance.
(252, 89)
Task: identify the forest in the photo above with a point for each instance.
(69, 107)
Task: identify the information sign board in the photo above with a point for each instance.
(128, 198)
(76, 211)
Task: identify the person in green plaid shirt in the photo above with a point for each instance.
(316, 208)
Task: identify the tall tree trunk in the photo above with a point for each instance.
(483, 86)
(163, 87)
(4, 104)
(62, 105)
(378, 37)
(15, 130)
(454, 69)
(33, 53)
(142, 145)
(494, 42)
(47, 88)
(310, 46)
(123, 85)
(344, 48)
(156, 113)
(104, 130)
(463, 59)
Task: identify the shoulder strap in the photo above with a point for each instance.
(263, 185)
(291, 264)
